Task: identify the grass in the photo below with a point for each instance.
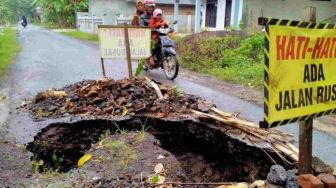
(9, 47)
(231, 57)
(48, 25)
(246, 74)
(82, 35)
(122, 152)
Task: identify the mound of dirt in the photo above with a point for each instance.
(107, 97)
(131, 157)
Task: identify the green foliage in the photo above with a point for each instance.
(12, 10)
(122, 151)
(82, 35)
(8, 48)
(204, 51)
(240, 24)
(105, 135)
(155, 179)
(62, 12)
(139, 69)
(142, 133)
(233, 57)
(248, 52)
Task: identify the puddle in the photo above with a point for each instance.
(204, 154)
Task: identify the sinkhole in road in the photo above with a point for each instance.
(204, 153)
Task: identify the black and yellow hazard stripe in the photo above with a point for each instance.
(288, 23)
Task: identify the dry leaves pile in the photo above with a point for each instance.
(112, 98)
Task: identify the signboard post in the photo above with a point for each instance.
(299, 78)
(124, 42)
(306, 127)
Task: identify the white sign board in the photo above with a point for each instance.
(112, 42)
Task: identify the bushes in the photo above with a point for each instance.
(8, 48)
(12, 10)
(233, 56)
(62, 12)
(248, 52)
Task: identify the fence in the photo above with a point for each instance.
(89, 24)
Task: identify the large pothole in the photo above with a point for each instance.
(203, 152)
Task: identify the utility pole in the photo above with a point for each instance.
(197, 16)
(176, 14)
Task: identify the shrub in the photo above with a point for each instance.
(231, 56)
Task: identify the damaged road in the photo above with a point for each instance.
(188, 129)
(40, 67)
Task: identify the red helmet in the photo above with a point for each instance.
(149, 2)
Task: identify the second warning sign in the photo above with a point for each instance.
(112, 42)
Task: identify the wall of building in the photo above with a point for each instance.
(284, 9)
(111, 9)
(186, 16)
(236, 14)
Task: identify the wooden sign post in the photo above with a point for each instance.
(306, 127)
(128, 52)
(124, 42)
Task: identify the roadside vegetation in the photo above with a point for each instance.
(8, 48)
(12, 10)
(61, 13)
(230, 56)
(82, 35)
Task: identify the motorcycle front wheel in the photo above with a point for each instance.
(171, 66)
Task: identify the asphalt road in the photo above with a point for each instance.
(51, 60)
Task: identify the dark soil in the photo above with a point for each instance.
(193, 152)
(111, 98)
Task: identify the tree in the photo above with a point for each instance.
(12, 10)
(61, 12)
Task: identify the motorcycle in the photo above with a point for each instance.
(164, 54)
(24, 24)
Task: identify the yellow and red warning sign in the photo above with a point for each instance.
(300, 71)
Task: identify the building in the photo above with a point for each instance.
(114, 11)
(284, 9)
(219, 14)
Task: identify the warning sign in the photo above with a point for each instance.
(300, 65)
(112, 42)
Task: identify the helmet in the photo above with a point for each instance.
(149, 2)
(157, 12)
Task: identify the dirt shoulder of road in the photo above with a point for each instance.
(250, 94)
(325, 124)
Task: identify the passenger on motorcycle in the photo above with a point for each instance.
(149, 8)
(139, 11)
(157, 22)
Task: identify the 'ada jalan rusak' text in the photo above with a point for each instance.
(292, 99)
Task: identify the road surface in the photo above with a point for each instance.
(51, 60)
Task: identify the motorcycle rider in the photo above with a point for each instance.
(24, 21)
(149, 8)
(139, 11)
